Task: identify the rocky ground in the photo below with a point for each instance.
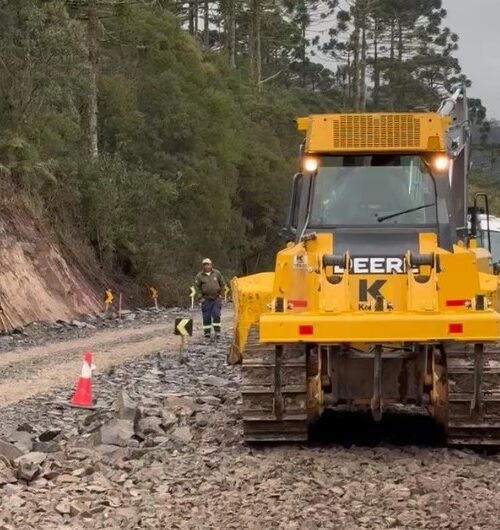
(163, 449)
(39, 333)
(45, 357)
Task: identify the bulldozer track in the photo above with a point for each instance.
(474, 417)
(274, 391)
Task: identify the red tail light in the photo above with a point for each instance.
(455, 328)
(297, 304)
(456, 303)
(306, 330)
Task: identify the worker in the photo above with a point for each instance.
(209, 284)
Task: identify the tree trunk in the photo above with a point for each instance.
(400, 42)
(349, 79)
(191, 17)
(255, 43)
(343, 76)
(392, 76)
(399, 89)
(232, 33)
(362, 70)
(304, 52)
(393, 34)
(376, 66)
(251, 42)
(206, 24)
(229, 16)
(92, 133)
(355, 65)
(258, 43)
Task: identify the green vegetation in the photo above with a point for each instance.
(157, 132)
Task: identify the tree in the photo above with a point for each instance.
(409, 53)
(185, 110)
(92, 30)
(41, 89)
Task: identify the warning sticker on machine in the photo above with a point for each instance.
(300, 262)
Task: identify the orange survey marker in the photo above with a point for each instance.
(108, 299)
(83, 392)
(153, 293)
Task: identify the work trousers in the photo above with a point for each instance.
(211, 310)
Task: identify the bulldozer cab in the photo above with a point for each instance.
(377, 181)
(373, 203)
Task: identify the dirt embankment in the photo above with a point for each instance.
(37, 283)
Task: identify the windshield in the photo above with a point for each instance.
(373, 190)
(495, 245)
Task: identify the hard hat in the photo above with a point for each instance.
(207, 261)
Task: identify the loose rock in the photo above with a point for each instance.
(63, 508)
(149, 425)
(182, 434)
(168, 419)
(125, 407)
(10, 451)
(22, 440)
(213, 380)
(117, 432)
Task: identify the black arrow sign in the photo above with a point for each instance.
(184, 326)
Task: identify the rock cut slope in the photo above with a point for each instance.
(37, 283)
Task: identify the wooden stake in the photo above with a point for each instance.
(120, 306)
(181, 349)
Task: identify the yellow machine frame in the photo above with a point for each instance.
(322, 320)
(417, 311)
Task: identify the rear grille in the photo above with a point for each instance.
(384, 131)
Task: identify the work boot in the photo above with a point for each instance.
(217, 335)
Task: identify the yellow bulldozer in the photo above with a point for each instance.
(386, 293)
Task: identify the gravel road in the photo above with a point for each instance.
(164, 449)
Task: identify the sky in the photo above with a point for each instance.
(477, 23)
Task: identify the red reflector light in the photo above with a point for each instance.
(306, 330)
(298, 304)
(455, 328)
(455, 303)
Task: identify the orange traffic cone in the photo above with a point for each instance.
(83, 393)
